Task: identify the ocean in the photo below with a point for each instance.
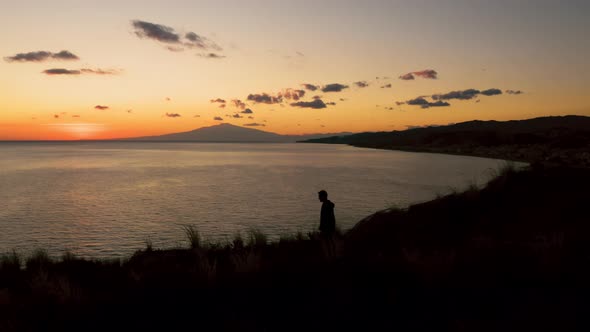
(108, 199)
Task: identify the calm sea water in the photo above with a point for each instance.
(106, 199)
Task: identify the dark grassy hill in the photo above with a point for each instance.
(559, 139)
(512, 256)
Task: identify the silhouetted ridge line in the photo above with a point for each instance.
(226, 132)
(557, 139)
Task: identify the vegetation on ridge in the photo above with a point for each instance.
(556, 139)
(511, 256)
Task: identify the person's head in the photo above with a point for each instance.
(323, 195)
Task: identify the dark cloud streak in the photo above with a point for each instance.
(334, 87)
(41, 56)
(315, 104)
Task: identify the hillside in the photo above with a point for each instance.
(226, 132)
(559, 139)
(512, 256)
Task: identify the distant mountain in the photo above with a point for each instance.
(555, 138)
(226, 132)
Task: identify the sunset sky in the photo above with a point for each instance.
(105, 69)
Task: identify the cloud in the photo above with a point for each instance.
(514, 92)
(461, 95)
(250, 117)
(161, 33)
(334, 87)
(238, 103)
(211, 55)
(331, 103)
(218, 118)
(439, 103)
(64, 55)
(176, 42)
(101, 107)
(56, 116)
(407, 77)
(247, 111)
(61, 71)
(386, 86)
(417, 101)
(399, 103)
(237, 116)
(265, 98)
(315, 104)
(427, 73)
(75, 116)
(197, 116)
(173, 115)
(41, 56)
(254, 124)
(421, 101)
(361, 84)
(491, 92)
(292, 94)
(99, 71)
(310, 87)
(218, 100)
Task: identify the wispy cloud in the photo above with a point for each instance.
(61, 71)
(264, 98)
(173, 115)
(218, 100)
(292, 94)
(101, 107)
(491, 92)
(461, 95)
(85, 71)
(334, 87)
(315, 104)
(422, 102)
(174, 40)
(514, 92)
(99, 71)
(386, 86)
(247, 111)
(427, 73)
(211, 55)
(161, 33)
(310, 87)
(218, 118)
(238, 103)
(361, 84)
(439, 103)
(41, 56)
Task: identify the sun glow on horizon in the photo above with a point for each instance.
(379, 66)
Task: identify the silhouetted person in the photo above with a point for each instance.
(327, 218)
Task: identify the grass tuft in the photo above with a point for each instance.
(257, 239)
(193, 236)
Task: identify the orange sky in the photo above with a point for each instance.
(155, 67)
